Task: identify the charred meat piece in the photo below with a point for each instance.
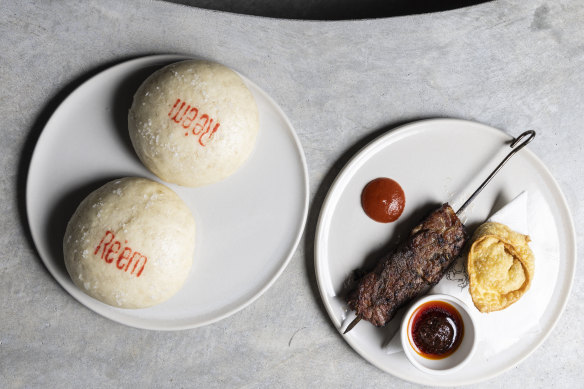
(418, 263)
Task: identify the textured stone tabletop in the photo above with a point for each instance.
(513, 65)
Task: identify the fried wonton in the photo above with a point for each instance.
(500, 267)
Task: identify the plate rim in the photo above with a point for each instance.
(346, 171)
(138, 63)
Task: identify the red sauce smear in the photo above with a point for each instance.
(383, 200)
(437, 330)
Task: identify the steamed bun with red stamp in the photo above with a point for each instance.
(193, 122)
(130, 243)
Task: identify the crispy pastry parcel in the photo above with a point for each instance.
(500, 267)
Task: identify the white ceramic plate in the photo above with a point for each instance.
(434, 161)
(248, 226)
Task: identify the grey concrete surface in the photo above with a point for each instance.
(514, 65)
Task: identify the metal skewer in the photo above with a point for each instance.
(518, 143)
(528, 135)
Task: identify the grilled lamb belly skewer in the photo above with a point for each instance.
(420, 261)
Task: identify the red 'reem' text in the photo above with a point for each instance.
(188, 116)
(111, 251)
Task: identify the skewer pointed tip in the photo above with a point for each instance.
(352, 324)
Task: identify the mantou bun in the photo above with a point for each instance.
(193, 122)
(130, 243)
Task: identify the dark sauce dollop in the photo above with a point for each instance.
(383, 200)
(437, 330)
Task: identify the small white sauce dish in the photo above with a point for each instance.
(452, 362)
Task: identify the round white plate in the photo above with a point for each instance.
(248, 226)
(435, 161)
